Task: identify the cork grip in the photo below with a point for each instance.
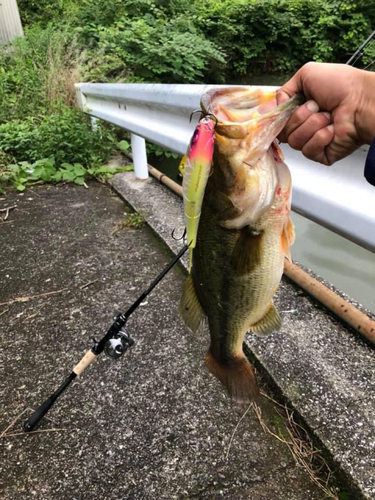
(87, 359)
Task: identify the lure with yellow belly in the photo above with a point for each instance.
(197, 168)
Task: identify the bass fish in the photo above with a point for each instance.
(244, 232)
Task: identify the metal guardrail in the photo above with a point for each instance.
(337, 197)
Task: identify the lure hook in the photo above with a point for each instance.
(180, 237)
(194, 112)
(213, 118)
(203, 115)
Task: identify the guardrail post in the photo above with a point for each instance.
(139, 156)
(94, 123)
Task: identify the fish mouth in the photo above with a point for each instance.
(240, 111)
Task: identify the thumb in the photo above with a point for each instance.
(291, 87)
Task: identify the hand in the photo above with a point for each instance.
(339, 115)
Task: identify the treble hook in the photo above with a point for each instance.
(205, 115)
(181, 237)
(196, 111)
(213, 118)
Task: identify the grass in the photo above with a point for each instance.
(133, 220)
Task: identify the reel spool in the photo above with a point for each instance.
(116, 347)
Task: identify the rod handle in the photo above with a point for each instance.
(38, 414)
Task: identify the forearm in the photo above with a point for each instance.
(365, 116)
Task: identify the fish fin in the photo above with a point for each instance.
(247, 253)
(236, 375)
(181, 167)
(223, 208)
(287, 238)
(190, 258)
(190, 309)
(268, 324)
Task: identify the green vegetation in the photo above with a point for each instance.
(22, 174)
(133, 220)
(176, 41)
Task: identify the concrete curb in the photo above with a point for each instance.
(324, 370)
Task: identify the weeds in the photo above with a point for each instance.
(42, 137)
(133, 221)
(39, 73)
(301, 447)
(22, 174)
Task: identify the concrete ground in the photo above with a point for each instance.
(153, 425)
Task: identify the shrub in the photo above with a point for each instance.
(65, 134)
(39, 72)
(280, 36)
(154, 49)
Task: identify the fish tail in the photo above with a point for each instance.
(236, 375)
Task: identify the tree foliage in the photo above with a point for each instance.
(168, 41)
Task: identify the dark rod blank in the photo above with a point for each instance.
(358, 53)
(98, 348)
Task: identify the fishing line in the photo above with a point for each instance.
(371, 63)
(362, 54)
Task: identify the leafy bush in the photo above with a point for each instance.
(280, 36)
(66, 134)
(38, 73)
(22, 174)
(40, 11)
(154, 49)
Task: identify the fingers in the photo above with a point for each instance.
(303, 124)
(315, 148)
(309, 131)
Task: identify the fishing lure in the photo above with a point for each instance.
(197, 169)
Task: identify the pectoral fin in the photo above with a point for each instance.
(190, 309)
(247, 253)
(268, 324)
(287, 238)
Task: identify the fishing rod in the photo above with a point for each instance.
(115, 343)
(359, 52)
